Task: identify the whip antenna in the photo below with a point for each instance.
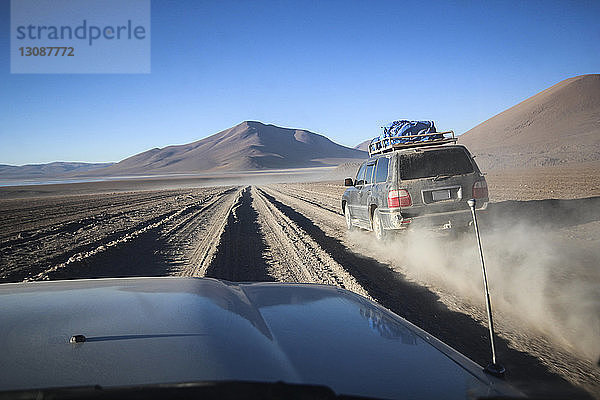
(493, 368)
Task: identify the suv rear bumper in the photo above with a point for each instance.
(394, 220)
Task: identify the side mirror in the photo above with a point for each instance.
(348, 182)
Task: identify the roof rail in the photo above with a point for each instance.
(387, 144)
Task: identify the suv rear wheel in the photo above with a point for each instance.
(380, 233)
(348, 218)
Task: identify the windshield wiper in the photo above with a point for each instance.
(441, 177)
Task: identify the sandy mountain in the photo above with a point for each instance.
(560, 125)
(364, 146)
(50, 170)
(249, 145)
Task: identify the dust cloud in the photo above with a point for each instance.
(537, 276)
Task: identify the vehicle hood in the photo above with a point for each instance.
(165, 330)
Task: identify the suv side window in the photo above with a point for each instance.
(369, 173)
(360, 176)
(382, 170)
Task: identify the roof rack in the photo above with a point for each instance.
(384, 145)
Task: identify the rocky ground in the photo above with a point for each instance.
(543, 261)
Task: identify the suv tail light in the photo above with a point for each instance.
(399, 198)
(480, 190)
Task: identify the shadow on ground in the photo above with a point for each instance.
(239, 256)
(551, 213)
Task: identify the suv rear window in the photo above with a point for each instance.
(431, 163)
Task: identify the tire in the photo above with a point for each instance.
(348, 217)
(378, 230)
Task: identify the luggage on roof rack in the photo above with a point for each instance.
(404, 133)
(409, 128)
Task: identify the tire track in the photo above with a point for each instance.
(203, 252)
(331, 206)
(82, 252)
(46, 217)
(187, 236)
(295, 256)
(57, 245)
(148, 250)
(240, 252)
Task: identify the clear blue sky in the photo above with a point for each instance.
(339, 68)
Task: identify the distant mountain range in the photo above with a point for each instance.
(558, 126)
(51, 170)
(248, 146)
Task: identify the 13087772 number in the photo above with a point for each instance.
(47, 51)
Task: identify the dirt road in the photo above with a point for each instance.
(285, 232)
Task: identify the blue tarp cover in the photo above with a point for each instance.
(403, 127)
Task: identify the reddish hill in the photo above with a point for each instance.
(560, 125)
